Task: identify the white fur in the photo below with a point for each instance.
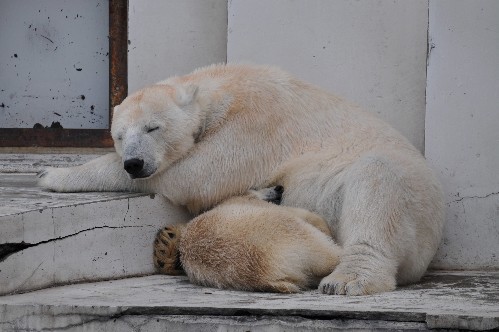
(245, 243)
(237, 127)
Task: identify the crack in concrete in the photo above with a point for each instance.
(127, 209)
(473, 197)
(7, 249)
(27, 279)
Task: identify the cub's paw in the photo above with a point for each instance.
(283, 287)
(351, 283)
(166, 254)
(272, 194)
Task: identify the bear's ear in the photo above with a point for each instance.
(186, 94)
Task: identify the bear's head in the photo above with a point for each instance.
(154, 127)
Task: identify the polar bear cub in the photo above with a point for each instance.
(248, 243)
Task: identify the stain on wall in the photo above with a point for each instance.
(54, 65)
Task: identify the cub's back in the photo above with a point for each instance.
(251, 245)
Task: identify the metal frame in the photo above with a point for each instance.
(118, 89)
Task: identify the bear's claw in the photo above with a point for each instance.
(166, 255)
(353, 284)
(41, 174)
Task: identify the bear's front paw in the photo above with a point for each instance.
(352, 283)
(53, 179)
(166, 255)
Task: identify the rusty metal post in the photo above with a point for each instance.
(118, 53)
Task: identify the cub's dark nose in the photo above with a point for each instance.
(133, 166)
(279, 189)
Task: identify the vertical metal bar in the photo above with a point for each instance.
(118, 53)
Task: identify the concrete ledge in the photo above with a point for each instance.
(186, 323)
(48, 238)
(35, 162)
(449, 300)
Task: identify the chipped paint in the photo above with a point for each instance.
(55, 64)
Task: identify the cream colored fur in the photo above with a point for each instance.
(249, 244)
(224, 129)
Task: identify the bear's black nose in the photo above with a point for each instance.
(133, 166)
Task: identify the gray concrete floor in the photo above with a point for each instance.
(449, 300)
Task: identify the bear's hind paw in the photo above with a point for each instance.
(353, 284)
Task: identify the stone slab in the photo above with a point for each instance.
(26, 162)
(19, 194)
(50, 238)
(450, 300)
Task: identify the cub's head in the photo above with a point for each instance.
(154, 127)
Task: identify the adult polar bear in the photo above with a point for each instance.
(223, 129)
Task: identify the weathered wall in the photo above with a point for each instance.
(371, 52)
(173, 38)
(54, 63)
(462, 136)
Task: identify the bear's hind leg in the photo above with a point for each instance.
(166, 254)
(375, 228)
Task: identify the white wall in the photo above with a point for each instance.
(371, 52)
(174, 37)
(462, 128)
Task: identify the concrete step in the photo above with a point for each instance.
(49, 238)
(446, 300)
